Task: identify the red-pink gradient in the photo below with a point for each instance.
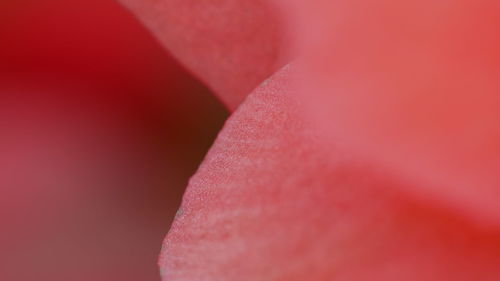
(412, 87)
(373, 180)
(99, 131)
(370, 156)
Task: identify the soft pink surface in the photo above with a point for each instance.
(373, 159)
(412, 87)
(268, 204)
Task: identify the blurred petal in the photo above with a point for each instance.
(413, 87)
(231, 45)
(99, 131)
(268, 205)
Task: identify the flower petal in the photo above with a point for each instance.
(267, 204)
(232, 45)
(99, 130)
(412, 86)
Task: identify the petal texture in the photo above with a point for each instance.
(231, 45)
(267, 204)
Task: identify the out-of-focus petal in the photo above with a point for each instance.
(413, 87)
(99, 131)
(268, 205)
(232, 45)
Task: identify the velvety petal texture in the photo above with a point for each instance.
(411, 86)
(268, 204)
(231, 45)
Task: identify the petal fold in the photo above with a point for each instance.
(231, 45)
(268, 204)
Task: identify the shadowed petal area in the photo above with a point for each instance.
(231, 45)
(99, 133)
(268, 205)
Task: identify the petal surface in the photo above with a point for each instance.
(267, 204)
(412, 86)
(231, 45)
